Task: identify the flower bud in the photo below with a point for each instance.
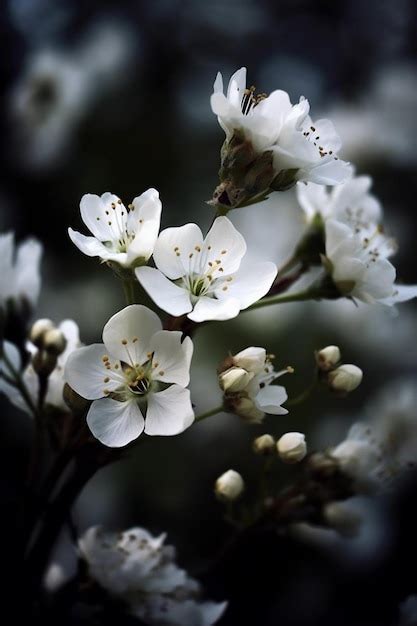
(342, 518)
(345, 378)
(327, 358)
(292, 447)
(54, 341)
(251, 359)
(234, 379)
(38, 331)
(247, 410)
(44, 363)
(229, 486)
(264, 445)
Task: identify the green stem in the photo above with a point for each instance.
(307, 294)
(303, 395)
(288, 265)
(203, 416)
(129, 290)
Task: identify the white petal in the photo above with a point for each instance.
(312, 199)
(218, 83)
(72, 334)
(332, 172)
(86, 373)
(28, 278)
(172, 356)
(402, 293)
(223, 243)
(168, 296)
(128, 333)
(237, 82)
(270, 398)
(251, 283)
(251, 359)
(214, 309)
(93, 213)
(93, 247)
(114, 423)
(144, 221)
(169, 412)
(173, 249)
(337, 234)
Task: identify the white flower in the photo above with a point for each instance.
(292, 447)
(204, 278)
(141, 571)
(361, 457)
(20, 277)
(54, 396)
(125, 236)
(345, 378)
(360, 267)
(258, 396)
(273, 124)
(349, 202)
(138, 365)
(229, 486)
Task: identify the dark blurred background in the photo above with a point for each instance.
(114, 96)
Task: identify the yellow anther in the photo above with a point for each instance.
(161, 373)
(124, 342)
(197, 248)
(106, 380)
(223, 252)
(135, 339)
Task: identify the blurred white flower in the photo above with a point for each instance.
(359, 265)
(141, 571)
(20, 278)
(125, 236)
(12, 363)
(137, 365)
(349, 202)
(255, 396)
(204, 278)
(272, 123)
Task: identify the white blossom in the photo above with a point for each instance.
(20, 276)
(204, 278)
(229, 486)
(349, 202)
(292, 447)
(273, 124)
(360, 267)
(345, 378)
(140, 570)
(54, 395)
(125, 236)
(138, 367)
(258, 396)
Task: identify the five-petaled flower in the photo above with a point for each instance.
(123, 235)
(138, 367)
(204, 278)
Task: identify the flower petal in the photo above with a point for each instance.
(87, 374)
(114, 423)
(270, 398)
(168, 296)
(214, 309)
(173, 249)
(144, 221)
(169, 412)
(224, 246)
(93, 213)
(128, 333)
(250, 283)
(28, 278)
(93, 247)
(171, 359)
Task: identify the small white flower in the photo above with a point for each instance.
(204, 278)
(258, 396)
(273, 124)
(345, 378)
(292, 447)
(141, 571)
(360, 267)
(125, 236)
(229, 486)
(54, 396)
(328, 357)
(234, 379)
(137, 365)
(20, 276)
(349, 202)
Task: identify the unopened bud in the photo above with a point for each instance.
(54, 342)
(345, 378)
(292, 447)
(251, 359)
(248, 411)
(264, 445)
(39, 330)
(234, 379)
(229, 486)
(44, 363)
(327, 358)
(342, 518)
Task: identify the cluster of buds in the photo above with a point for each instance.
(341, 379)
(243, 379)
(291, 447)
(51, 343)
